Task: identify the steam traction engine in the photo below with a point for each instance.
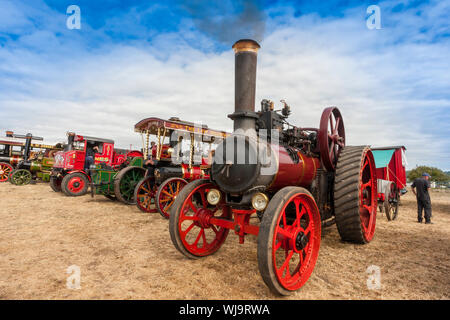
(72, 175)
(165, 178)
(20, 162)
(295, 179)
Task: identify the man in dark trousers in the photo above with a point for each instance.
(420, 188)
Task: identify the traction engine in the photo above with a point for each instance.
(296, 180)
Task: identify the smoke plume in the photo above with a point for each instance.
(226, 20)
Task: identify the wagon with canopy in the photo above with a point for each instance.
(390, 165)
(181, 153)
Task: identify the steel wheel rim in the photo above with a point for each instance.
(198, 229)
(289, 236)
(145, 194)
(21, 177)
(168, 194)
(367, 196)
(128, 184)
(5, 171)
(76, 184)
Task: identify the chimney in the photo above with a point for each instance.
(244, 116)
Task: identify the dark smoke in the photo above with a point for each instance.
(227, 20)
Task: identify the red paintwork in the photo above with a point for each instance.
(368, 195)
(194, 173)
(75, 184)
(293, 174)
(80, 171)
(75, 159)
(241, 224)
(195, 218)
(395, 171)
(294, 270)
(165, 155)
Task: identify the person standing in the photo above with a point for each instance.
(420, 188)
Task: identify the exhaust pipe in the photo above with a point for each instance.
(244, 116)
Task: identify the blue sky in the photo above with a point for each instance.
(134, 59)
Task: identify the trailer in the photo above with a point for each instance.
(390, 165)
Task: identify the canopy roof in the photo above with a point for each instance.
(382, 157)
(151, 125)
(12, 141)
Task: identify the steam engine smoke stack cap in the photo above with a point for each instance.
(246, 45)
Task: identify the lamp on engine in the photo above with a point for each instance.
(296, 180)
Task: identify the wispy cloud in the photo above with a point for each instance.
(392, 84)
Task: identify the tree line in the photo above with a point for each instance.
(436, 174)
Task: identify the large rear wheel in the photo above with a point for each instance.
(125, 183)
(355, 195)
(190, 225)
(167, 193)
(289, 240)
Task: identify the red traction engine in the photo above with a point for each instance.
(70, 174)
(296, 180)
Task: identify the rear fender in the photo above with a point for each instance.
(80, 171)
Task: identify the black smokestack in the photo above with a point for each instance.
(246, 52)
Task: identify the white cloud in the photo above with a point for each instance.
(391, 90)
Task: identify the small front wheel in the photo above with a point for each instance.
(191, 223)
(75, 184)
(144, 194)
(55, 183)
(289, 240)
(167, 193)
(20, 177)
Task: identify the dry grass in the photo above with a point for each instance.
(125, 254)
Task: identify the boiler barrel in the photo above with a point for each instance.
(293, 173)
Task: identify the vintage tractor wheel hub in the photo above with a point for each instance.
(203, 218)
(301, 240)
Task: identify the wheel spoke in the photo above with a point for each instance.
(192, 206)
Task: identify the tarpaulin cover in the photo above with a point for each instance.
(382, 157)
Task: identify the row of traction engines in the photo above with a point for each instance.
(24, 159)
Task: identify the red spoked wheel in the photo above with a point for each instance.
(5, 171)
(331, 137)
(191, 228)
(75, 184)
(144, 193)
(167, 193)
(368, 195)
(355, 195)
(289, 240)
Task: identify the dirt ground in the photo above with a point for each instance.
(125, 254)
